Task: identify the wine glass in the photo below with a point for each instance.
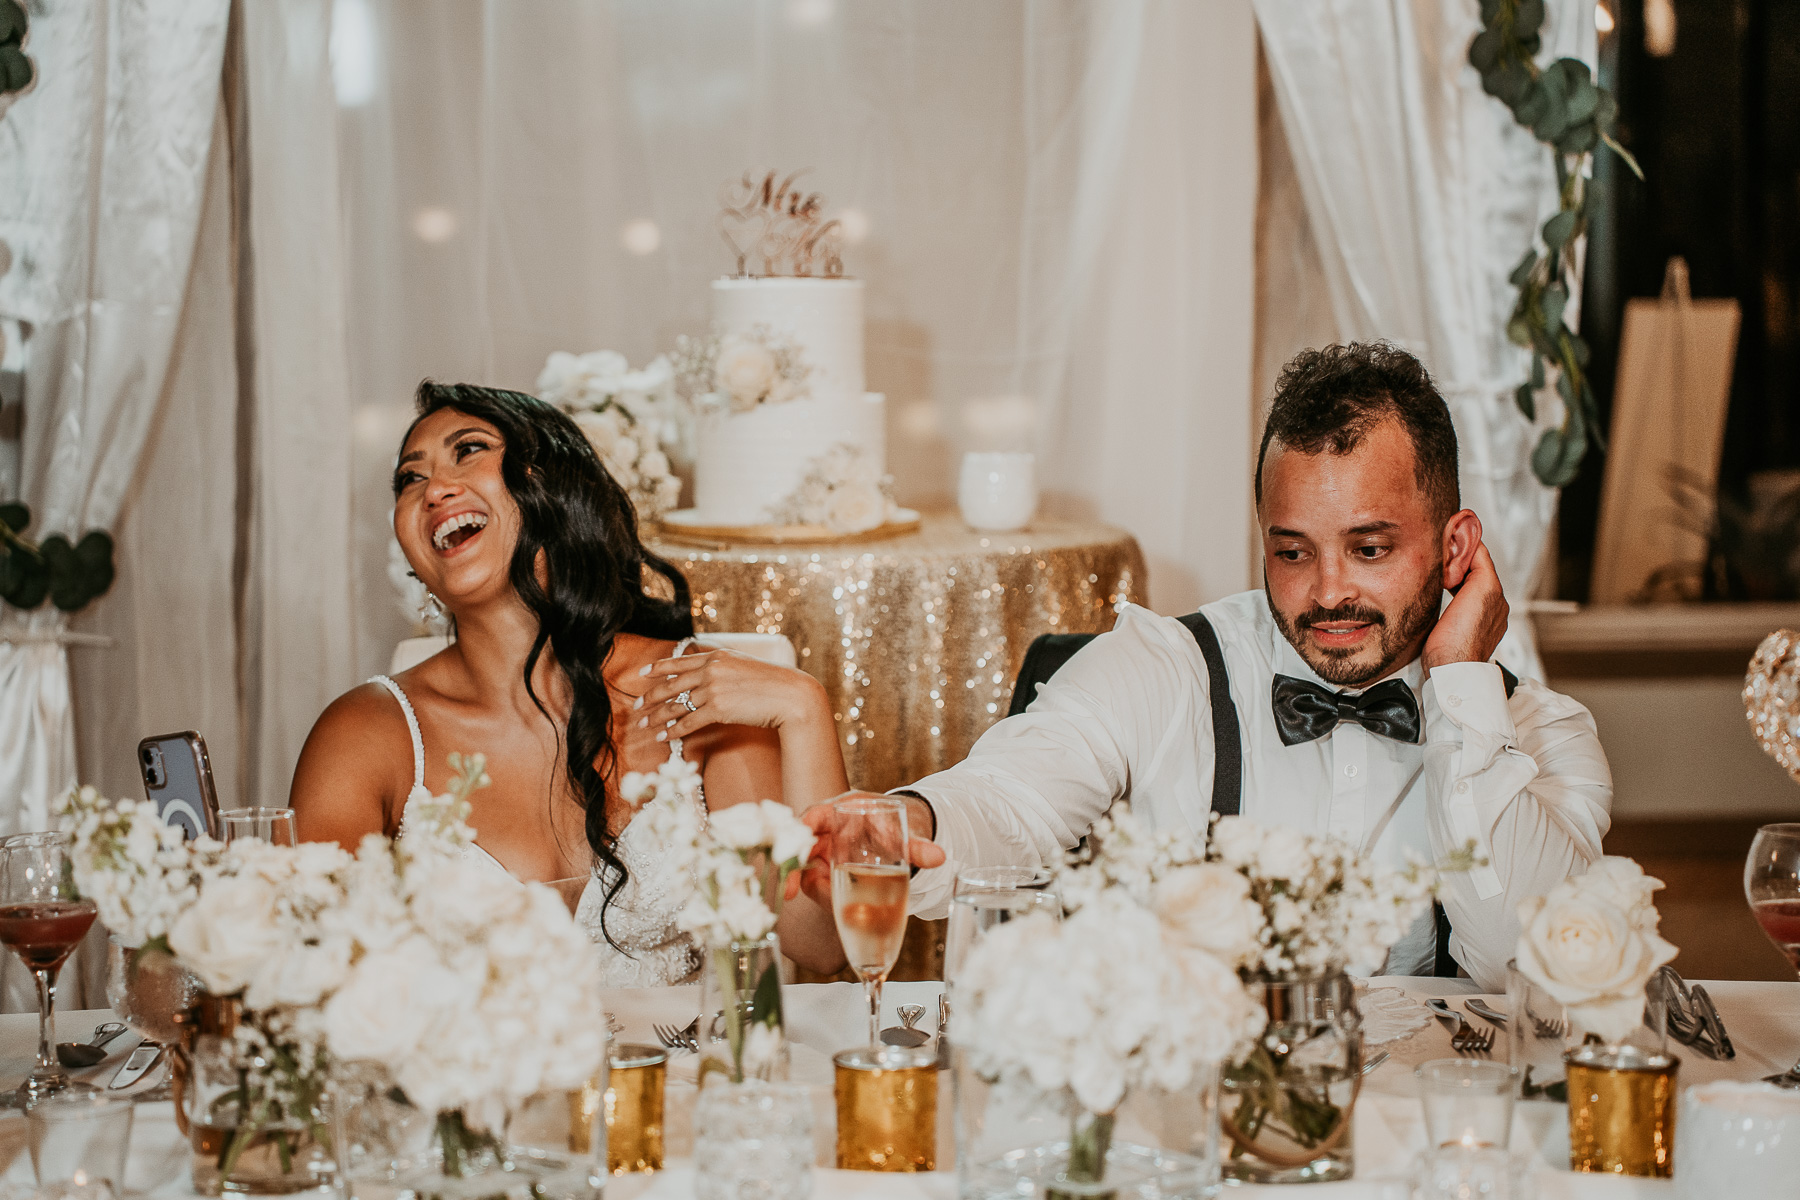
(1772, 885)
(869, 882)
(42, 920)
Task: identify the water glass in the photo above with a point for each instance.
(998, 491)
(1537, 1033)
(273, 825)
(974, 913)
(1737, 1140)
(1458, 1172)
(80, 1139)
(1467, 1102)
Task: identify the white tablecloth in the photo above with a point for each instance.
(1763, 1019)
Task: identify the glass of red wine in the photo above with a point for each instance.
(42, 920)
(1772, 885)
(869, 881)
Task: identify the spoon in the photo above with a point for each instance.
(86, 1054)
(904, 1034)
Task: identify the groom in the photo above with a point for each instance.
(1350, 696)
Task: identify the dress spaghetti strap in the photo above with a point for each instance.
(412, 727)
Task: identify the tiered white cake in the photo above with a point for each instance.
(750, 464)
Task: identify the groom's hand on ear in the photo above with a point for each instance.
(815, 877)
(1470, 629)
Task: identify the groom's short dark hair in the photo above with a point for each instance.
(1327, 400)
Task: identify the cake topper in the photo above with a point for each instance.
(771, 223)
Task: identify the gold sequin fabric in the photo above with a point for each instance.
(1772, 698)
(917, 640)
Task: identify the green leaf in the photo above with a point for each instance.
(1537, 371)
(31, 581)
(766, 1004)
(1558, 456)
(15, 516)
(1518, 330)
(15, 69)
(1606, 110)
(1532, 105)
(1579, 138)
(1566, 390)
(1581, 349)
(1552, 303)
(12, 21)
(1584, 99)
(1484, 51)
(1522, 272)
(1558, 230)
(1526, 400)
(95, 548)
(1511, 83)
(1528, 18)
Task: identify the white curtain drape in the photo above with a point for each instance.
(108, 158)
(1055, 200)
(1421, 193)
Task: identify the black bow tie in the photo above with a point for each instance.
(1305, 712)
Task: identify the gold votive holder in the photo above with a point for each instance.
(887, 1109)
(634, 1109)
(1621, 1110)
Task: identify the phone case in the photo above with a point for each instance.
(178, 780)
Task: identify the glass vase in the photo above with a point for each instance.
(249, 1129)
(752, 1139)
(742, 1030)
(1014, 1140)
(551, 1147)
(1287, 1109)
(151, 992)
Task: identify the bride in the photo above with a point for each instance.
(566, 674)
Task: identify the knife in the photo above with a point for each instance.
(1714, 1022)
(143, 1059)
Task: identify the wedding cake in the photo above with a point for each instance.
(787, 439)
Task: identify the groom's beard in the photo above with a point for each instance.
(1349, 668)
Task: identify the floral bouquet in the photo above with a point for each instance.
(474, 992)
(626, 415)
(734, 865)
(735, 372)
(1593, 945)
(840, 491)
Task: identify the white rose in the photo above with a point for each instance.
(792, 839)
(743, 369)
(462, 896)
(1622, 882)
(563, 374)
(855, 507)
(606, 370)
(389, 1002)
(740, 826)
(1588, 953)
(1209, 907)
(228, 935)
(653, 463)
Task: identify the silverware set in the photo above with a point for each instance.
(1465, 1038)
(1693, 1018)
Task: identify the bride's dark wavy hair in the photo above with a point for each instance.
(572, 510)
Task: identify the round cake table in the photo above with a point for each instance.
(916, 639)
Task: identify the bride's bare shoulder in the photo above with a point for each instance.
(357, 758)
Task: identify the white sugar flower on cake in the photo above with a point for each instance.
(841, 491)
(739, 371)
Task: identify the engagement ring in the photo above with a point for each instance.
(687, 703)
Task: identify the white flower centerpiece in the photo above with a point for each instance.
(1135, 992)
(627, 416)
(470, 992)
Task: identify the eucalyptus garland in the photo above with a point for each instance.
(1564, 108)
(69, 575)
(15, 67)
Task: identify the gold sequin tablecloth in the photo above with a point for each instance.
(917, 639)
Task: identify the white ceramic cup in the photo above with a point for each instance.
(1737, 1140)
(998, 491)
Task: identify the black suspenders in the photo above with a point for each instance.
(1228, 743)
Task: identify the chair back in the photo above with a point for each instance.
(1044, 658)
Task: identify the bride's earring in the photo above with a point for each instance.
(431, 609)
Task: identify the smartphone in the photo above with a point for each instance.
(178, 779)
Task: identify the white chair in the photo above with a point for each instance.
(769, 647)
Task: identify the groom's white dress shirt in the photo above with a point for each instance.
(1129, 716)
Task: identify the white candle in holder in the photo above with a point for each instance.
(998, 491)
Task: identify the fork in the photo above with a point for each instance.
(1466, 1039)
(1550, 1029)
(679, 1039)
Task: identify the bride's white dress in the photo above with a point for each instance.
(640, 946)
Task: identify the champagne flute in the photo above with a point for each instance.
(869, 882)
(1772, 885)
(42, 920)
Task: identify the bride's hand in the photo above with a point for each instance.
(724, 688)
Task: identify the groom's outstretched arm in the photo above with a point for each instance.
(1034, 784)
